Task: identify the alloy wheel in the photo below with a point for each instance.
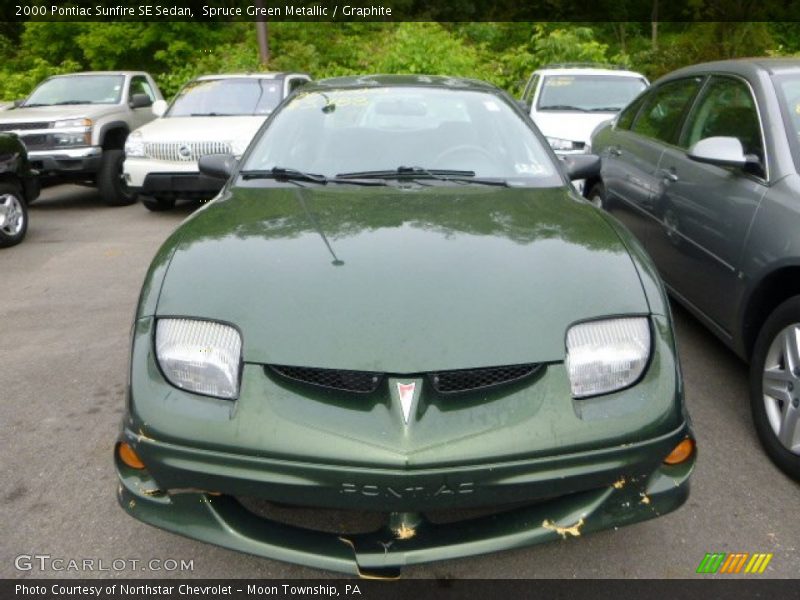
(12, 217)
(781, 387)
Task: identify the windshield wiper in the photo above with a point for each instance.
(66, 102)
(456, 176)
(286, 174)
(605, 109)
(401, 172)
(212, 114)
(563, 107)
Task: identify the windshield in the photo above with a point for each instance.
(589, 93)
(78, 89)
(787, 86)
(227, 97)
(369, 130)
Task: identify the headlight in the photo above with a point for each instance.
(70, 123)
(604, 356)
(559, 144)
(200, 356)
(80, 134)
(134, 145)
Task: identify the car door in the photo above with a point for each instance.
(706, 210)
(634, 149)
(144, 114)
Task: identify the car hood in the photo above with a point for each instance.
(200, 129)
(399, 280)
(56, 113)
(573, 126)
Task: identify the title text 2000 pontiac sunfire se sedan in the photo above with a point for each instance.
(398, 336)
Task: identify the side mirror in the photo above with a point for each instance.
(722, 151)
(140, 101)
(18, 102)
(581, 166)
(159, 108)
(524, 106)
(218, 166)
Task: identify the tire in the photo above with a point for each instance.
(109, 180)
(776, 410)
(157, 204)
(597, 195)
(14, 215)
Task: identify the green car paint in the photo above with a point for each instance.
(401, 280)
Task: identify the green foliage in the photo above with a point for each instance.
(576, 44)
(503, 53)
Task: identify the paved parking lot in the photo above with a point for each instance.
(67, 296)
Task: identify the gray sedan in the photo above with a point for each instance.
(704, 168)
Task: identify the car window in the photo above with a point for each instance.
(629, 113)
(348, 130)
(664, 108)
(295, 83)
(726, 108)
(588, 93)
(140, 85)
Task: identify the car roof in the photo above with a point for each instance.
(432, 81)
(265, 75)
(101, 73)
(746, 67)
(588, 71)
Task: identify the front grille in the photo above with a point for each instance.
(36, 142)
(444, 382)
(326, 520)
(362, 382)
(21, 126)
(450, 382)
(184, 151)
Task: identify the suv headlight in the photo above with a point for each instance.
(200, 356)
(134, 145)
(608, 355)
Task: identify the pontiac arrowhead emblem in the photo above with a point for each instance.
(406, 393)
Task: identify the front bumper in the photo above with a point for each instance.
(556, 466)
(67, 161)
(179, 180)
(581, 493)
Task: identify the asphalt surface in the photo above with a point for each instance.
(67, 296)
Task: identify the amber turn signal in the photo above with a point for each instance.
(128, 456)
(681, 453)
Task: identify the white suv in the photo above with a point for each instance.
(568, 101)
(213, 114)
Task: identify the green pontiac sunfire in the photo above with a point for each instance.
(398, 335)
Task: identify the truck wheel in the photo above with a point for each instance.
(110, 182)
(775, 386)
(13, 215)
(157, 204)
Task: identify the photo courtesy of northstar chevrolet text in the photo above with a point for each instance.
(384, 294)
